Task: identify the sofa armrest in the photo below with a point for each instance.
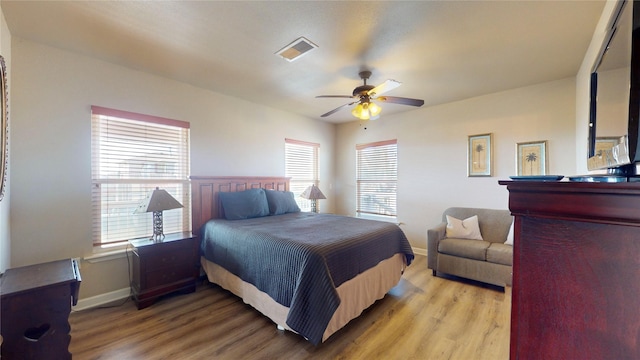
(434, 235)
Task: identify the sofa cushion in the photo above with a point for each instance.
(463, 229)
(494, 224)
(500, 254)
(476, 250)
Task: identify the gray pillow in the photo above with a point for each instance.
(244, 204)
(281, 202)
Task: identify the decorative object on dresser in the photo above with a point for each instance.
(160, 268)
(36, 302)
(309, 273)
(472, 243)
(576, 267)
(314, 194)
(156, 202)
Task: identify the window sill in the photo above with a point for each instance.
(99, 255)
(393, 220)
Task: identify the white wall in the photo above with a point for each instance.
(432, 150)
(52, 94)
(5, 243)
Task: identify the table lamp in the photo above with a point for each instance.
(156, 202)
(313, 193)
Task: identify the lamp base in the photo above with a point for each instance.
(158, 233)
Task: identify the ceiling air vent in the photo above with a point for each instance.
(296, 49)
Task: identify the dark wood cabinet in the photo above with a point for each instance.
(35, 302)
(163, 267)
(576, 270)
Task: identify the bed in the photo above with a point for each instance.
(309, 273)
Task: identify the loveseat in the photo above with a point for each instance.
(488, 260)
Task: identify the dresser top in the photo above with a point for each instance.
(143, 242)
(37, 276)
(611, 203)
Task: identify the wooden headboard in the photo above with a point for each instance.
(205, 203)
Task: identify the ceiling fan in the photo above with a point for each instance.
(364, 94)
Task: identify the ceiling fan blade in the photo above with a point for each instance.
(337, 109)
(401, 100)
(384, 87)
(335, 96)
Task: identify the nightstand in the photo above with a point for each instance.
(36, 302)
(163, 267)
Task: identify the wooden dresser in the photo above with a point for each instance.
(163, 267)
(36, 302)
(576, 270)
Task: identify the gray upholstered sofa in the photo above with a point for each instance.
(488, 260)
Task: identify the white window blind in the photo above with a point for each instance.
(301, 165)
(132, 154)
(377, 178)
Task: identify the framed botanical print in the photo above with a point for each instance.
(603, 152)
(605, 143)
(531, 158)
(479, 155)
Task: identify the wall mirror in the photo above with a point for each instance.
(4, 123)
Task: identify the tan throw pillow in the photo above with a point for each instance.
(463, 229)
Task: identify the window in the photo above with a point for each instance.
(377, 178)
(132, 154)
(301, 165)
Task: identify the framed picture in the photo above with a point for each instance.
(603, 151)
(479, 160)
(531, 158)
(605, 143)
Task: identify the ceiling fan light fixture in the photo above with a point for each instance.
(366, 110)
(358, 111)
(374, 109)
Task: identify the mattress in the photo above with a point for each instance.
(300, 259)
(357, 294)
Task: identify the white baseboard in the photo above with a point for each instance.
(419, 251)
(102, 299)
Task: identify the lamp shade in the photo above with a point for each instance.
(374, 110)
(157, 200)
(358, 111)
(312, 193)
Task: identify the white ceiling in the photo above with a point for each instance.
(442, 51)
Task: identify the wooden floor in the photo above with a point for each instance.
(423, 317)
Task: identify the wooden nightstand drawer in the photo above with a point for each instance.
(160, 268)
(168, 257)
(167, 276)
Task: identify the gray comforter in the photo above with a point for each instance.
(299, 259)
